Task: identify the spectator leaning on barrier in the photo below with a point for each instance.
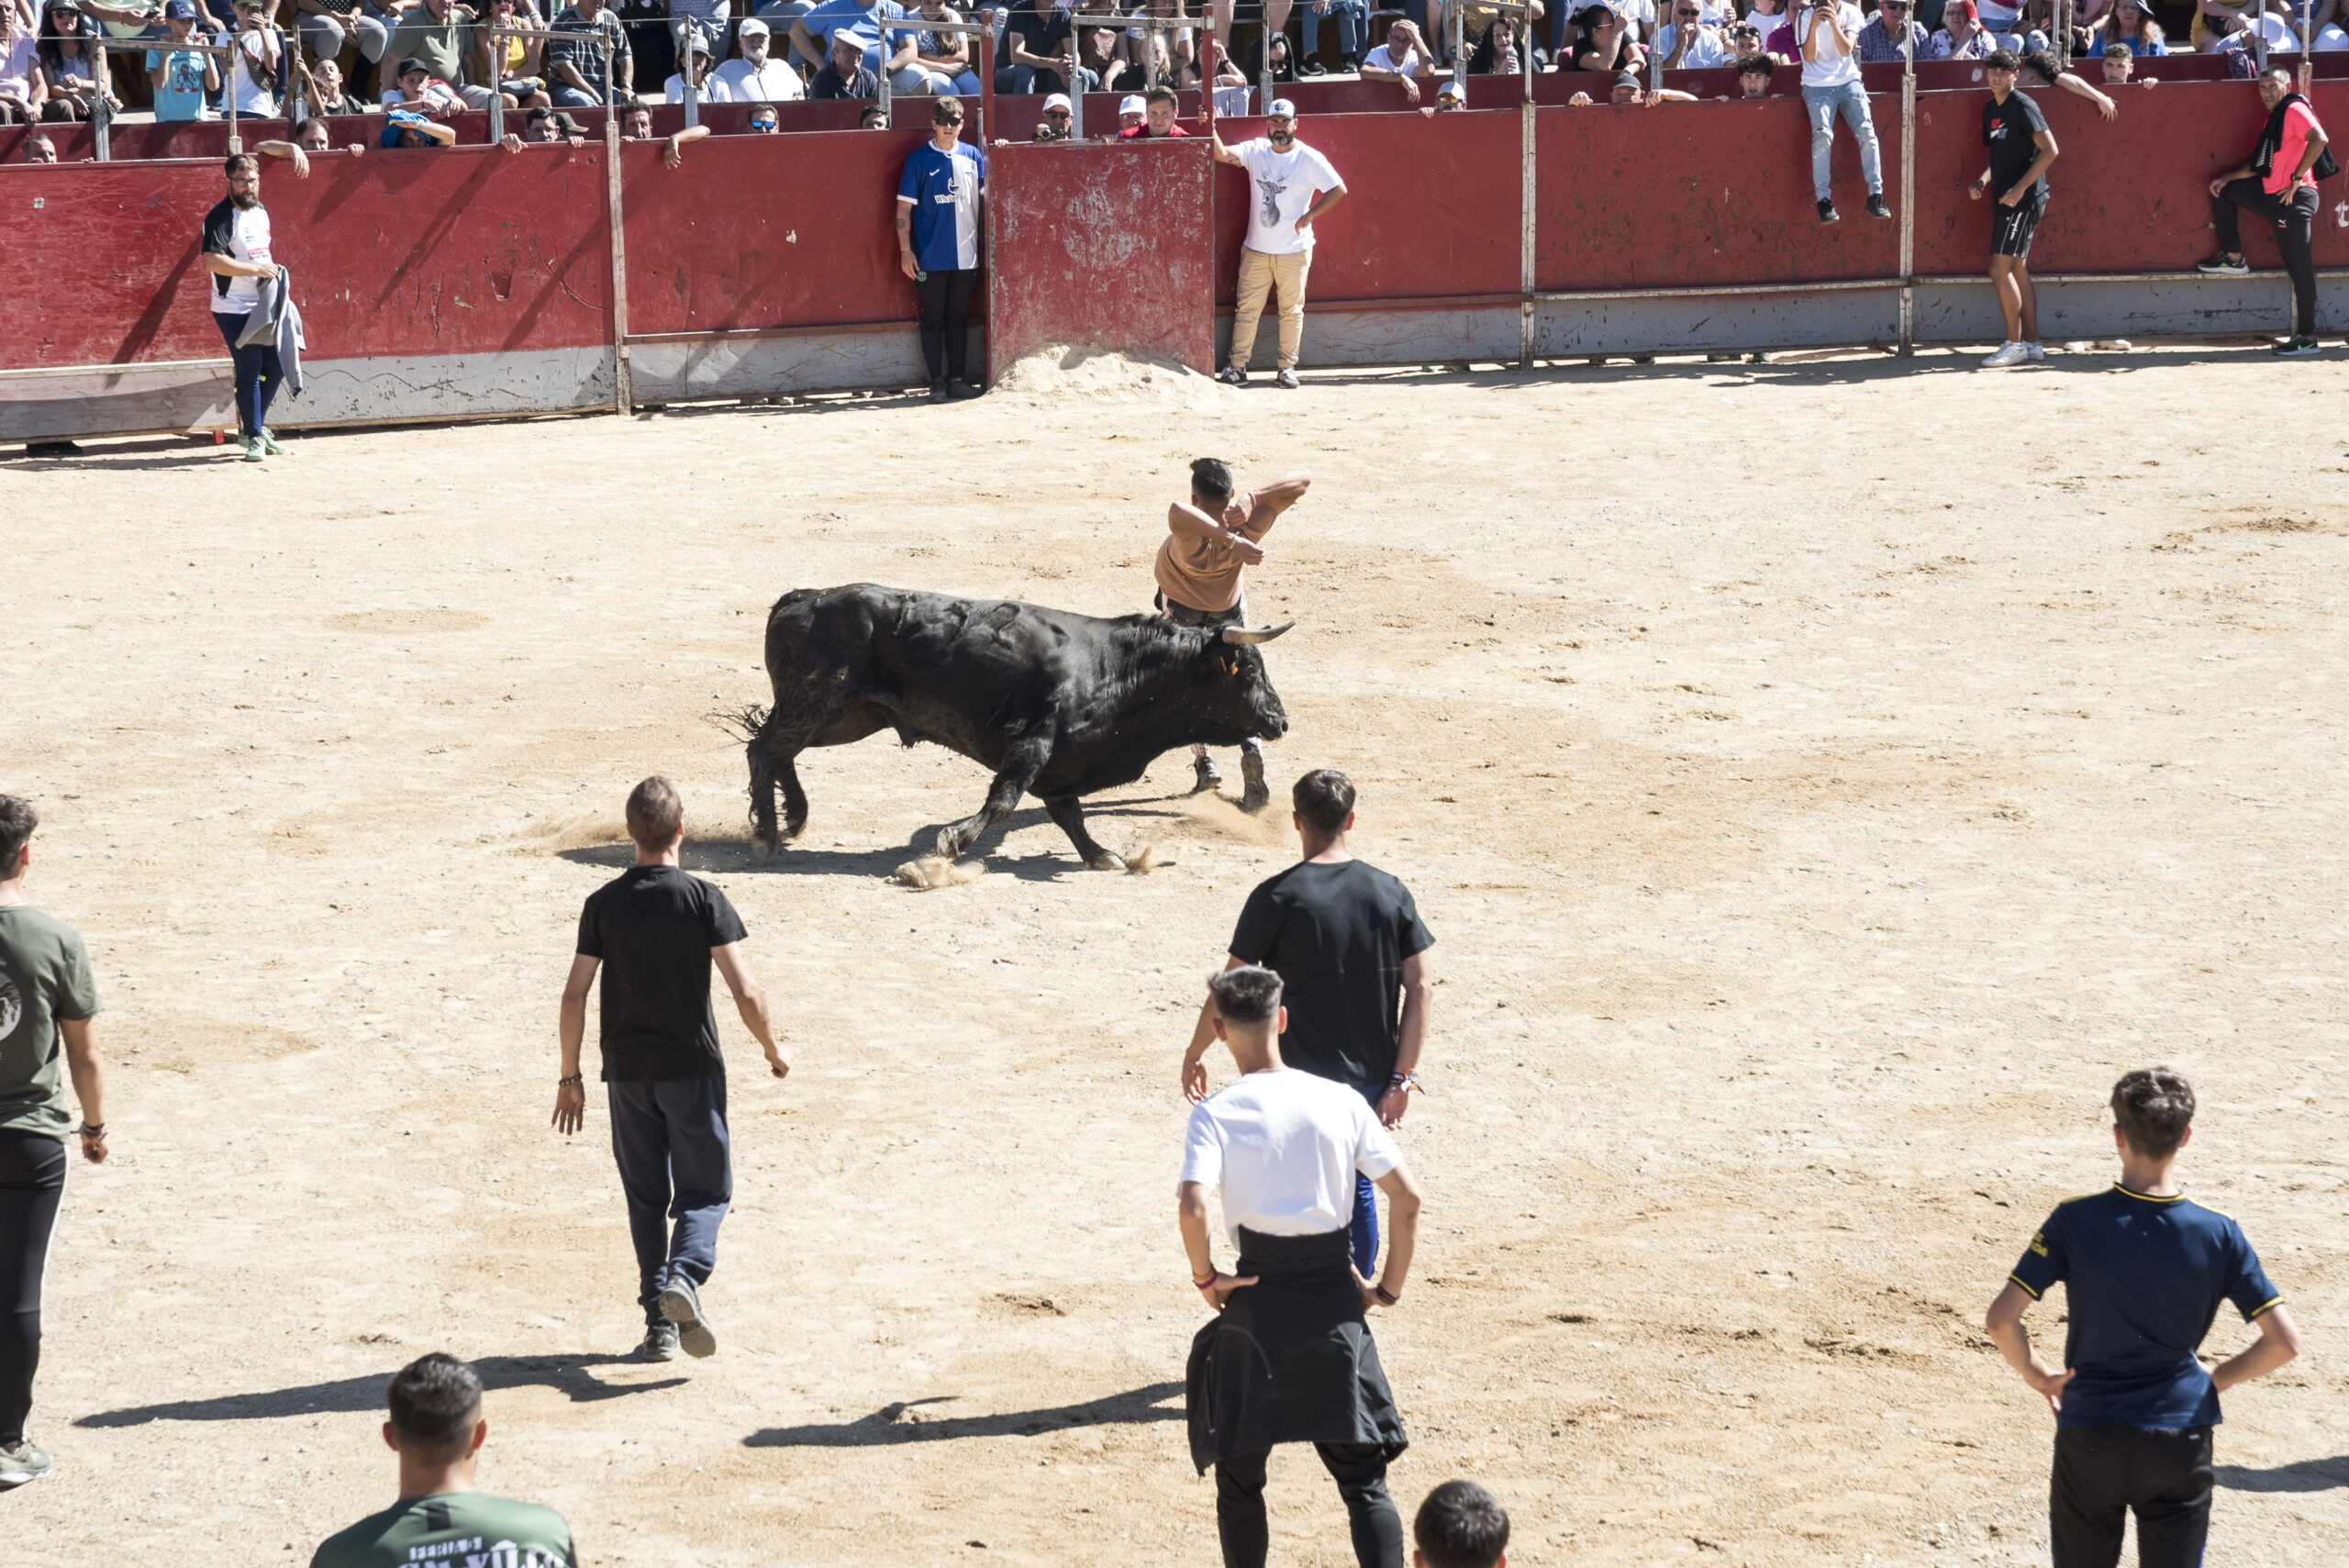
(1825, 31)
(2121, 68)
(2280, 185)
(438, 1429)
(874, 117)
(1753, 75)
(762, 121)
(636, 125)
(844, 75)
(1401, 58)
(183, 79)
(705, 86)
(39, 149)
(1056, 116)
(1628, 94)
(414, 127)
(755, 76)
(1882, 40)
(2021, 149)
(940, 199)
(1132, 111)
(1460, 1525)
(587, 56)
(1159, 111)
(1449, 99)
(1292, 185)
(1687, 43)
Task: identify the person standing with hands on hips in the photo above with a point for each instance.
(938, 203)
(1826, 33)
(2021, 149)
(1292, 185)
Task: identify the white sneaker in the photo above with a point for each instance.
(2008, 354)
(2037, 352)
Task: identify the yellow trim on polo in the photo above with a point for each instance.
(2147, 1198)
(2035, 1294)
(2272, 1301)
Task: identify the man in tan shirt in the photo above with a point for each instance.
(1210, 542)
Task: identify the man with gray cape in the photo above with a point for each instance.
(1289, 1358)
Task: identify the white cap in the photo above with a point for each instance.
(1131, 103)
(1280, 109)
(1450, 90)
(752, 25)
(1058, 101)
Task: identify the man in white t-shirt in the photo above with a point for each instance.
(1827, 32)
(756, 76)
(1291, 184)
(237, 254)
(1400, 58)
(1289, 1358)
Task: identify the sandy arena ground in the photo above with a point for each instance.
(1822, 781)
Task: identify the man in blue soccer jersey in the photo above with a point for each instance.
(938, 244)
(2144, 1273)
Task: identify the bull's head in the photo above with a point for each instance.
(1244, 705)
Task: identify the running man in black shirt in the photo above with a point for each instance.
(2144, 1273)
(2021, 147)
(655, 932)
(1346, 940)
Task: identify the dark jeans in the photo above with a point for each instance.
(2295, 225)
(32, 1184)
(1020, 79)
(258, 374)
(676, 1164)
(2101, 1472)
(946, 321)
(1360, 1471)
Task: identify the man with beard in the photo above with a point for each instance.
(1293, 185)
(237, 254)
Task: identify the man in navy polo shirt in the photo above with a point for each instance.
(938, 244)
(2144, 1270)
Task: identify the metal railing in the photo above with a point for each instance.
(1123, 24)
(102, 113)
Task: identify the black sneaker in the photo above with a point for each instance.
(681, 1305)
(660, 1344)
(2299, 349)
(1876, 207)
(938, 393)
(1309, 66)
(960, 388)
(22, 1463)
(1232, 375)
(1827, 212)
(2224, 266)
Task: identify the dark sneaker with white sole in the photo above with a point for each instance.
(2299, 349)
(1827, 212)
(1232, 375)
(1878, 207)
(681, 1305)
(22, 1463)
(660, 1344)
(2224, 266)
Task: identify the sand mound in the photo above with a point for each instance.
(1086, 370)
(935, 870)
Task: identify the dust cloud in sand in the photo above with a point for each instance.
(1822, 781)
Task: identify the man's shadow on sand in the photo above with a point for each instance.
(565, 1374)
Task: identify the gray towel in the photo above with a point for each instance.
(276, 316)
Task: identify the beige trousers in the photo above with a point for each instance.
(1258, 273)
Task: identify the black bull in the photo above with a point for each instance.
(1057, 705)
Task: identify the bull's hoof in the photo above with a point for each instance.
(761, 851)
(947, 847)
(1254, 794)
(1106, 861)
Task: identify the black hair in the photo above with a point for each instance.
(434, 1401)
(240, 163)
(1756, 66)
(17, 820)
(2001, 60)
(2044, 62)
(537, 117)
(1211, 479)
(2155, 1105)
(1461, 1525)
(1246, 996)
(2116, 49)
(1325, 798)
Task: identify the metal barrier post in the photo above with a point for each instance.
(496, 86)
(1908, 194)
(986, 94)
(228, 96)
(101, 117)
(623, 396)
(2307, 69)
(1459, 55)
(884, 75)
(2063, 39)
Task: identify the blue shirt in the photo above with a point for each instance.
(181, 97)
(2142, 1277)
(944, 190)
(860, 22)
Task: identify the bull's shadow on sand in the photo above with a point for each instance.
(730, 851)
(919, 1421)
(570, 1374)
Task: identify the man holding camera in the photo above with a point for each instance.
(1827, 32)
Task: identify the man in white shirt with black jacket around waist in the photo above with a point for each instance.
(1290, 1357)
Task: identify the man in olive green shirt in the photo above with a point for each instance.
(437, 1428)
(47, 998)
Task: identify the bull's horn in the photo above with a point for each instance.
(1250, 635)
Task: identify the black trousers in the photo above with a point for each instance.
(2295, 225)
(2102, 1472)
(32, 1185)
(946, 321)
(1360, 1471)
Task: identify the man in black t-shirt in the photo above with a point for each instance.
(2021, 147)
(1347, 942)
(654, 933)
(1039, 50)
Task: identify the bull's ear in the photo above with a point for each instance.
(1250, 635)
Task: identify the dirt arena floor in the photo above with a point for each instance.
(1822, 781)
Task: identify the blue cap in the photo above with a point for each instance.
(179, 11)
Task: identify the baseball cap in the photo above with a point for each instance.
(1625, 79)
(1131, 103)
(1057, 101)
(752, 25)
(1280, 109)
(412, 63)
(696, 45)
(1450, 90)
(181, 11)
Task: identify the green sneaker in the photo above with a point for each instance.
(2299, 349)
(254, 450)
(271, 445)
(22, 1463)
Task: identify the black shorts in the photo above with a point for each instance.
(2103, 1473)
(2011, 230)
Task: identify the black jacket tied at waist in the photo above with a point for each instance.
(1290, 1358)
